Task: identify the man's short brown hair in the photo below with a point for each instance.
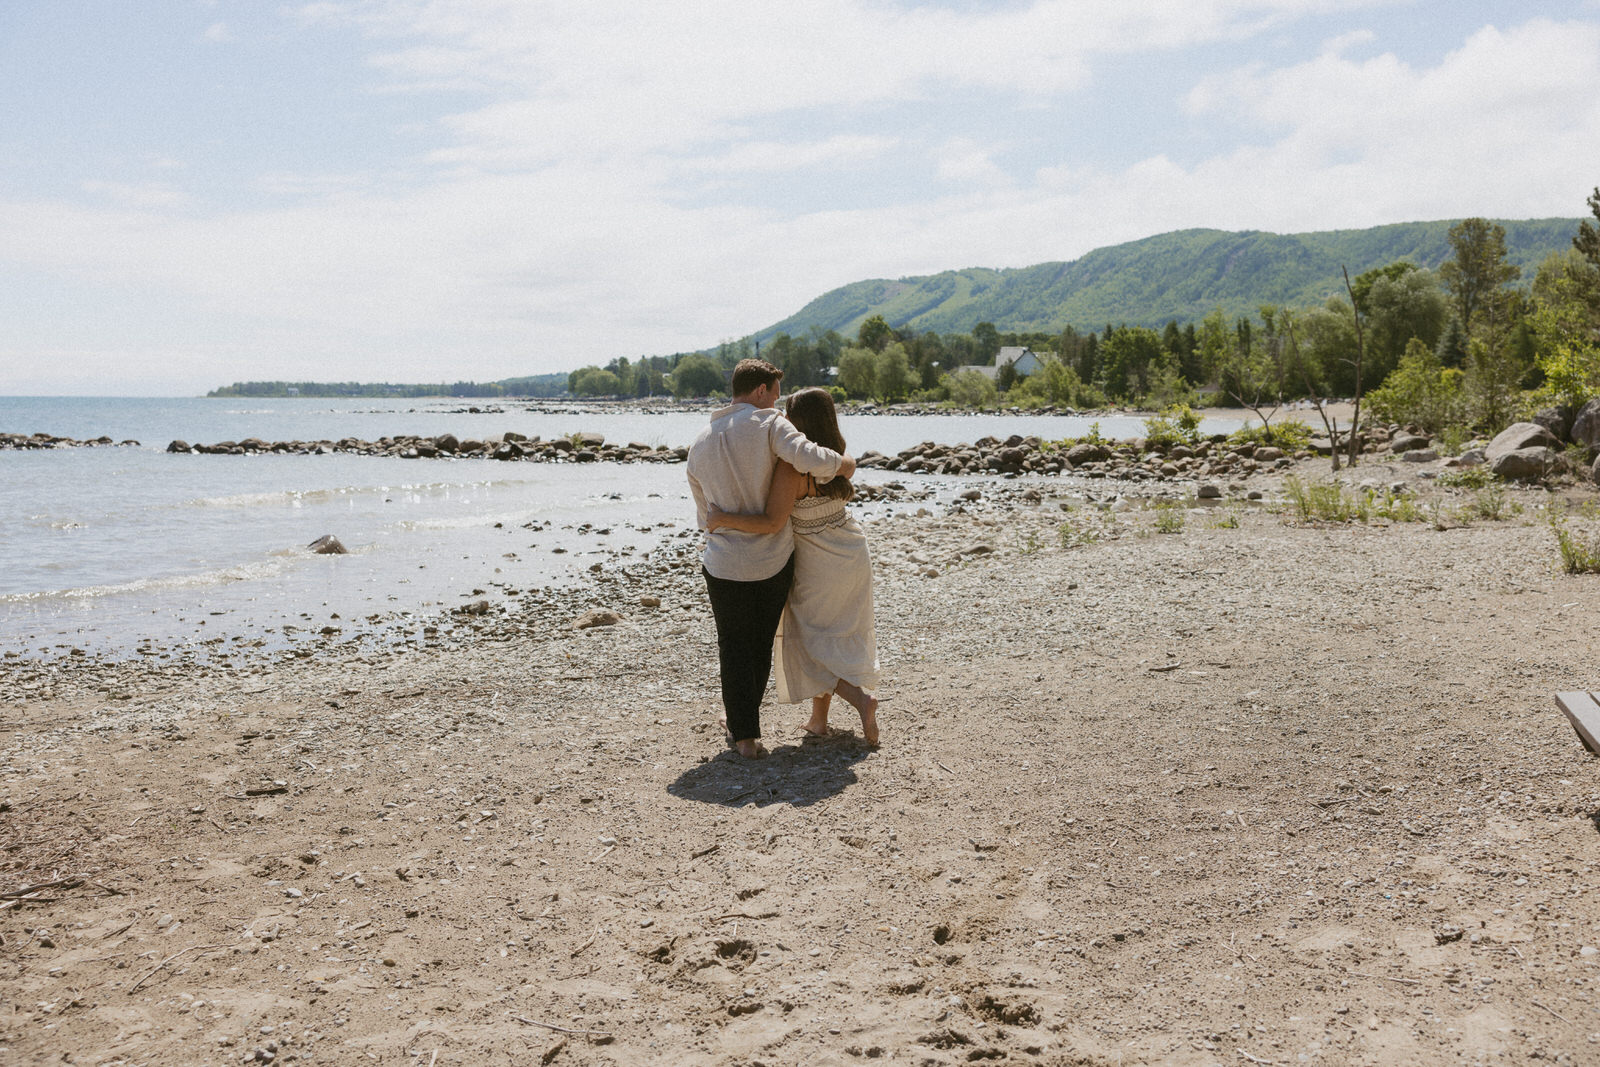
(752, 374)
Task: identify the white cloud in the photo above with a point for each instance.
(965, 161)
(1503, 125)
(143, 195)
(218, 33)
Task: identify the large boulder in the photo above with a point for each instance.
(1087, 452)
(1519, 436)
(1556, 421)
(1407, 442)
(1524, 464)
(1586, 425)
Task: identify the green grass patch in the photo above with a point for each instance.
(1468, 478)
(1580, 553)
(1332, 502)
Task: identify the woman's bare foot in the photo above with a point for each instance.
(817, 725)
(865, 703)
(750, 749)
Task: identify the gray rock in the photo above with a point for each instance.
(1209, 492)
(178, 446)
(1268, 455)
(1419, 455)
(1524, 464)
(1472, 457)
(1586, 425)
(1087, 452)
(328, 545)
(1518, 436)
(1407, 442)
(591, 440)
(1594, 472)
(1556, 421)
(447, 442)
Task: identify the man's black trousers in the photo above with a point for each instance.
(747, 615)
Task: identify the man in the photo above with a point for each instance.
(748, 575)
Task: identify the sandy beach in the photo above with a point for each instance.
(1247, 791)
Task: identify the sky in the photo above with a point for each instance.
(197, 192)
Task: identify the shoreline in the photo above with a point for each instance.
(1011, 475)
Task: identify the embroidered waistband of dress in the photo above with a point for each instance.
(809, 524)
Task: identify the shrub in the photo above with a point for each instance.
(1290, 435)
(1178, 425)
(1332, 502)
(1579, 554)
(1421, 390)
(1072, 534)
(1169, 519)
(1467, 478)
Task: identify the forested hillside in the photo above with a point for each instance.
(1174, 276)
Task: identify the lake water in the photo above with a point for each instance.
(109, 548)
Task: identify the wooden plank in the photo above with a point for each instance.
(1583, 711)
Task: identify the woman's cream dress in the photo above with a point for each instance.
(826, 633)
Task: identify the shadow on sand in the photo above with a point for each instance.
(795, 774)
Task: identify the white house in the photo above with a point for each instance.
(1022, 360)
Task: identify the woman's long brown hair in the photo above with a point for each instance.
(811, 410)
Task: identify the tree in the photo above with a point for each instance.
(697, 376)
(1006, 378)
(987, 340)
(1587, 242)
(594, 381)
(1479, 273)
(1452, 346)
(875, 333)
(1400, 303)
(1566, 327)
(1421, 391)
(892, 370)
(970, 389)
(1058, 383)
(858, 372)
(1129, 358)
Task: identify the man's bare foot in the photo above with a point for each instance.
(817, 725)
(750, 749)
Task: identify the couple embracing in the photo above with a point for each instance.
(786, 567)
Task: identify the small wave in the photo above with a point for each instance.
(297, 497)
(246, 572)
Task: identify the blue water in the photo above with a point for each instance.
(110, 548)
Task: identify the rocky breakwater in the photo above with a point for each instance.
(578, 448)
(19, 441)
(1134, 460)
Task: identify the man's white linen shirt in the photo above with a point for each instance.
(730, 465)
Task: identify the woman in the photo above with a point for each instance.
(826, 643)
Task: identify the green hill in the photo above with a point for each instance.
(1180, 275)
